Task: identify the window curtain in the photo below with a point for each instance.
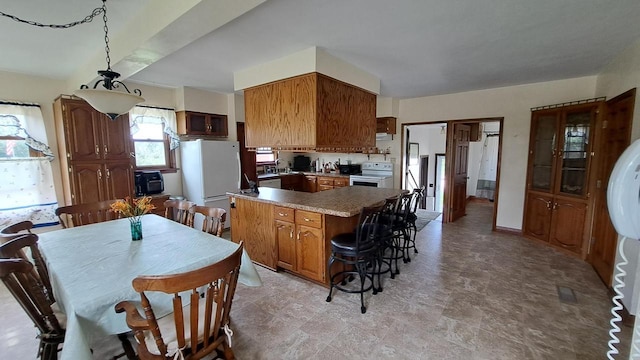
(488, 168)
(26, 184)
(140, 115)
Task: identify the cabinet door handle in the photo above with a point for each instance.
(555, 206)
(97, 150)
(307, 219)
(282, 214)
(99, 174)
(298, 235)
(108, 174)
(291, 234)
(106, 150)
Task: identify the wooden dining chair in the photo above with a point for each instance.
(199, 324)
(14, 230)
(214, 218)
(26, 286)
(178, 210)
(85, 214)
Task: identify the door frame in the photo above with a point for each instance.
(449, 158)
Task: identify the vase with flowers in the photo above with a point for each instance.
(134, 209)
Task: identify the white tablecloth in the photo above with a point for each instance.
(92, 267)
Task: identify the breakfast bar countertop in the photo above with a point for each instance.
(344, 202)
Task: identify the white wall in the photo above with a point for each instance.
(513, 103)
(622, 74)
(430, 142)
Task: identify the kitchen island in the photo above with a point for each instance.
(292, 230)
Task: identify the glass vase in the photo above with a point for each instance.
(136, 228)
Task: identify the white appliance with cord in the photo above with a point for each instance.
(623, 201)
(210, 169)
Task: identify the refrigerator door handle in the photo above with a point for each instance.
(239, 171)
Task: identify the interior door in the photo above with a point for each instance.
(615, 137)
(462, 133)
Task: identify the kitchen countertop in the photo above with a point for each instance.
(343, 202)
(275, 176)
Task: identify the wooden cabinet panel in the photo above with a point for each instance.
(311, 111)
(568, 224)
(119, 180)
(325, 187)
(81, 131)
(259, 238)
(538, 216)
(284, 213)
(310, 255)
(87, 182)
(309, 218)
(286, 244)
(325, 181)
(116, 139)
(291, 182)
(340, 182)
(310, 183)
(386, 125)
(202, 124)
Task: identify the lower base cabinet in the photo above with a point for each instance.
(300, 242)
(557, 220)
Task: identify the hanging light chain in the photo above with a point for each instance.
(106, 33)
(87, 19)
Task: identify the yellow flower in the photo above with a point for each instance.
(133, 207)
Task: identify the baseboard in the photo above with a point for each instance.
(507, 230)
(478, 200)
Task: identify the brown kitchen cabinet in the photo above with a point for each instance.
(291, 182)
(386, 125)
(259, 238)
(559, 179)
(310, 183)
(310, 112)
(329, 183)
(197, 123)
(300, 242)
(95, 151)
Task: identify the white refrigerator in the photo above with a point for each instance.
(210, 169)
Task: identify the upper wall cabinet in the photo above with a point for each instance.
(310, 112)
(201, 124)
(386, 125)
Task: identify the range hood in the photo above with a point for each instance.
(384, 137)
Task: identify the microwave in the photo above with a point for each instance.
(148, 182)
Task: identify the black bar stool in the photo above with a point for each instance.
(357, 251)
(412, 230)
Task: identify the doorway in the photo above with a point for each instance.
(478, 163)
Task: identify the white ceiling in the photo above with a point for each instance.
(415, 47)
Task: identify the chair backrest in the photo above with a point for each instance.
(179, 210)
(417, 195)
(214, 219)
(403, 206)
(14, 249)
(17, 276)
(14, 230)
(85, 214)
(211, 291)
(369, 225)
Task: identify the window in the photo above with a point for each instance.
(153, 137)
(265, 156)
(25, 160)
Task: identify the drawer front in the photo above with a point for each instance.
(325, 187)
(325, 181)
(308, 218)
(283, 213)
(341, 182)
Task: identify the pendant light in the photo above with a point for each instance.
(109, 101)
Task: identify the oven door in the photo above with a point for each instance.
(364, 181)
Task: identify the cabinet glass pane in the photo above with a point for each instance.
(543, 150)
(575, 153)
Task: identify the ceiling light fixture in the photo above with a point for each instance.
(109, 101)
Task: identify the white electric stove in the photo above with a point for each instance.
(374, 174)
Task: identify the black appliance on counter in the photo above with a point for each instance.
(301, 163)
(350, 169)
(148, 182)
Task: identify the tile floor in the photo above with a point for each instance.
(469, 294)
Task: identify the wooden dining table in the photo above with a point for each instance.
(92, 266)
